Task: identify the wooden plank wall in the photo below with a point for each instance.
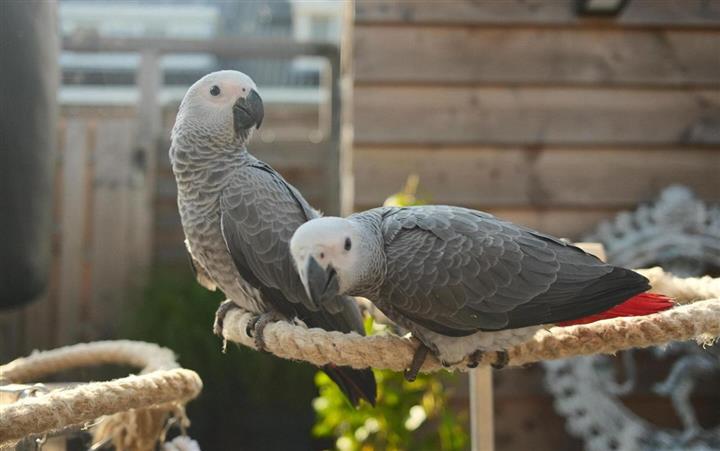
(521, 108)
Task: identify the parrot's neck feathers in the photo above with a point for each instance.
(202, 167)
(370, 265)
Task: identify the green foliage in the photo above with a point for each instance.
(247, 396)
(409, 415)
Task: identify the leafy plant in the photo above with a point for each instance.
(247, 396)
(415, 415)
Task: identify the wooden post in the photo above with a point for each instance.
(482, 428)
(346, 78)
(332, 159)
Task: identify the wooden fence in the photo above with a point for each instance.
(102, 213)
(115, 207)
(529, 111)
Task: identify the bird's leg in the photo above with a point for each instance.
(501, 360)
(220, 314)
(256, 328)
(417, 362)
(475, 358)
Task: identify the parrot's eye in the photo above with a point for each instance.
(215, 91)
(348, 244)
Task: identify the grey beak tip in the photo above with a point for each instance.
(321, 283)
(258, 107)
(249, 111)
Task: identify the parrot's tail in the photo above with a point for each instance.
(639, 305)
(356, 384)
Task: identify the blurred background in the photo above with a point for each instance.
(556, 114)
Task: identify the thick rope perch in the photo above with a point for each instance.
(698, 317)
(143, 400)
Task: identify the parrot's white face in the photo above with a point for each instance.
(224, 103)
(325, 252)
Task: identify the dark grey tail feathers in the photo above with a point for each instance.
(355, 384)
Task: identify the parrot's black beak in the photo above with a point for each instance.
(322, 284)
(248, 112)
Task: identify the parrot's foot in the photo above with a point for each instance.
(417, 362)
(475, 358)
(501, 360)
(256, 328)
(218, 325)
(220, 314)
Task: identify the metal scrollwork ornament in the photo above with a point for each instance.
(681, 234)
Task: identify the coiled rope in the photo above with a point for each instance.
(697, 316)
(138, 405)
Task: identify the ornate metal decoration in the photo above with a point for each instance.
(681, 234)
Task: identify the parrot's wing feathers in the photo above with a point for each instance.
(308, 212)
(201, 274)
(457, 271)
(257, 237)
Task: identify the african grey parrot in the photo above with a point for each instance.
(462, 281)
(238, 215)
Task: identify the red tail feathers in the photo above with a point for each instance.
(642, 304)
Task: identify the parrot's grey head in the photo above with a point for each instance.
(328, 256)
(221, 105)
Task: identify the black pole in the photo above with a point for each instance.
(29, 80)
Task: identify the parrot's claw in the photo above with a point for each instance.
(501, 360)
(220, 314)
(417, 362)
(256, 328)
(475, 358)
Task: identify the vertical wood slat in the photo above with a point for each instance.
(40, 318)
(71, 231)
(140, 214)
(149, 131)
(482, 427)
(334, 158)
(345, 143)
(110, 226)
(86, 285)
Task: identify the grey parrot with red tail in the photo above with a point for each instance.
(462, 281)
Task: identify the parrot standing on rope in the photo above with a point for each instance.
(462, 281)
(239, 214)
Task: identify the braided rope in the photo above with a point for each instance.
(139, 405)
(150, 357)
(698, 317)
